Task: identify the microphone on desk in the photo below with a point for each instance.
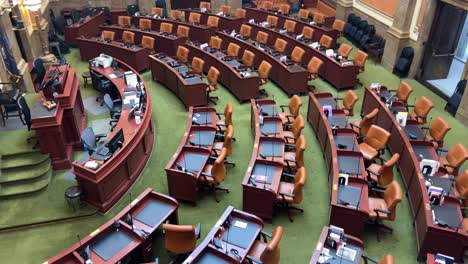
(262, 156)
(265, 134)
(252, 181)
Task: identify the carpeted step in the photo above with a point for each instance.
(26, 186)
(20, 160)
(24, 173)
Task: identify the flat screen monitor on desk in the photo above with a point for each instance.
(116, 142)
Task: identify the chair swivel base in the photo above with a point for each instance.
(289, 208)
(379, 225)
(311, 87)
(212, 99)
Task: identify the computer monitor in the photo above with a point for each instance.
(131, 114)
(131, 79)
(116, 142)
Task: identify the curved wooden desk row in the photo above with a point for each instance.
(260, 15)
(228, 23)
(234, 239)
(231, 76)
(190, 89)
(104, 186)
(349, 203)
(291, 78)
(430, 237)
(192, 154)
(88, 28)
(339, 75)
(260, 196)
(117, 240)
(199, 33)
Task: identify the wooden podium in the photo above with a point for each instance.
(59, 130)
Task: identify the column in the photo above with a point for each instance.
(343, 8)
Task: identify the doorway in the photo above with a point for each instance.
(446, 51)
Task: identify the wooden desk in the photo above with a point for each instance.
(88, 28)
(192, 91)
(260, 15)
(198, 33)
(59, 130)
(352, 214)
(351, 242)
(149, 211)
(292, 79)
(233, 238)
(341, 76)
(115, 13)
(431, 258)
(162, 43)
(243, 88)
(135, 57)
(228, 23)
(430, 237)
(104, 186)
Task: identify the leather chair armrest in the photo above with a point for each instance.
(373, 172)
(288, 175)
(99, 136)
(450, 165)
(442, 150)
(212, 157)
(290, 137)
(289, 120)
(381, 148)
(198, 230)
(215, 151)
(253, 260)
(367, 258)
(379, 190)
(289, 145)
(219, 114)
(381, 211)
(282, 107)
(338, 99)
(287, 126)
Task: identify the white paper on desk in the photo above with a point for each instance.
(240, 224)
(299, 36)
(203, 46)
(252, 21)
(283, 31)
(330, 52)
(219, 13)
(112, 76)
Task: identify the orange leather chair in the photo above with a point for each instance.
(144, 24)
(382, 175)
(349, 101)
(240, 13)
(183, 31)
(326, 42)
(157, 11)
(181, 239)
(293, 131)
(148, 43)
(267, 5)
(182, 54)
(221, 124)
(307, 33)
(360, 59)
(319, 19)
(284, 9)
(375, 142)
(212, 85)
(313, 68)
(248, 59)
(280, 45)
(294, 156)
(233, 50)
(263, 72)
(213, 174)
(461, 187)
(226, 10)
(124, 21)
(421, 110)
(245, 31)
(387, 259)
(437, 131)
(344, 50)
(292, 193)
(297, 54)
(175, 15)
(266, 252)
(262, 37)
(107, 35)
(194, 17)
(385, 208)
(212, 21)
(454, 159)
(361, 127)
(215, 43)
(226, 143)
(197, 66)
(272, 21)
(294, 106)
(290, 26)
(303, 14)
(128, 38)
(339, 26)
(206, 5)
(165, 27)
(403, 92)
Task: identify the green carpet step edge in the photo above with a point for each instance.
(30, 186)
(25, 173)
(24, 159)
(19, 151)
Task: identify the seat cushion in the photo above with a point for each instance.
(355, 129)
(257, 249)
(374, 167)
(284, 119)
(443, 161)
(368, 152)
(285, 187)
(290, 156)
(377, 203)
(207, 170)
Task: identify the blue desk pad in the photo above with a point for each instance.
(349, 194)
(272, 148)
(269, 127)
(327, 101)
(203, 138)
(153, 213)
(424, 150)
(447, 213)
(349, 164)
(339, 121)
(209, 258)
(111, 244)
(413, 132)
(347, 141)
(193, 162)
(265, 170)
(269, 110)
(203, 118)
(240, 237)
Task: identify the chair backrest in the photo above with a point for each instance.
(314, 65)
(439, 129)
(367, 121)
(23, 106)
(298, 125)
(392, 197)
(386, 170)
(377, 137)
(422, 107)
(297, 54)
(179, 239)
(197, 65)
(88, 139)
(344, 50)
(264, 70)
(280, 45)
(284, 8)
(228, 109)
(147, 42)
(144, 24)
(233, 50)
(319, 18)
(194, 17)
(268, 5)
(175, 14)
(109, 102)
(294, 105)
(226, 9)
(228, 135)
(338, 25)
(248, 58)
(183, 31)
(240, 13)
(157, 11)
(212, 21)
(206, 5)
(271, 254)
(387, 259)
(108, 35)
(272, 21)
(165, 27)
(124, 21)
(182, 54)
(218, 171)
(262, 37)
(245, 31)
(215, 42)
(303, 14)
(326, 41)
(456, 156)
(307, 33)
(132, 9)
(299, 182)
(128, 37)
(213, 74)
(461, 184)
(350, 100)
(40, 69)
(290, 26)
(360, 58)
(403, 92)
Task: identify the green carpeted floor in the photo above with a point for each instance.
(300, 238)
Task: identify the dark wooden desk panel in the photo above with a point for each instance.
(229, 23)
(88, 28)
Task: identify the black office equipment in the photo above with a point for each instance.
(116, 141)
